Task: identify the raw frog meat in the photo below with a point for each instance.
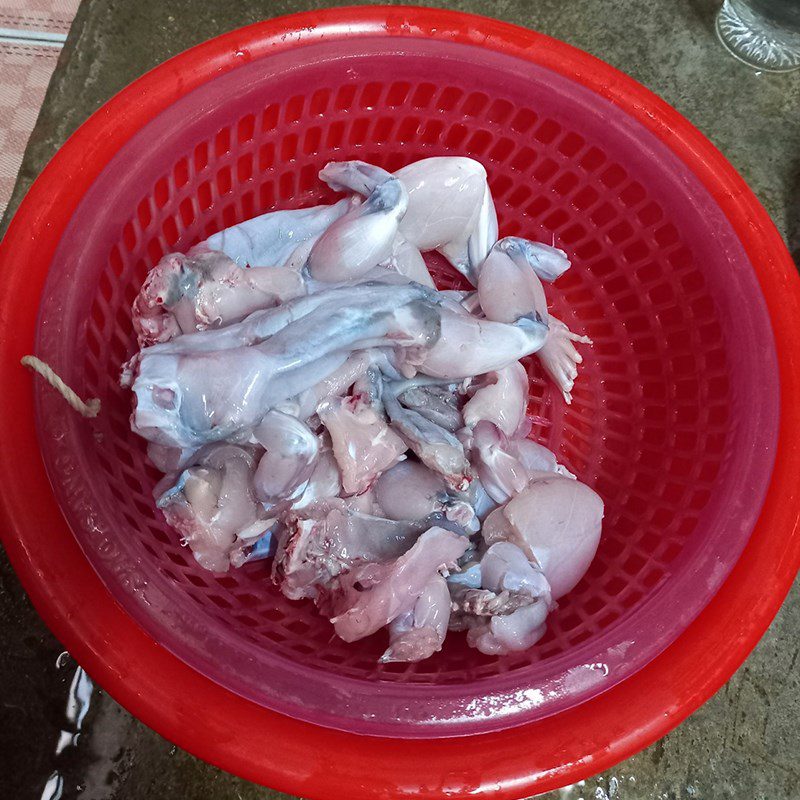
(205, 289)
(325, 415)
(556, 522)
(450, 206)
(508, 611)
(272, 239)
(372, 595)
(213, 506)
(420, 632)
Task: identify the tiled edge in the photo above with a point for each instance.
(25, 72)
(49, 16)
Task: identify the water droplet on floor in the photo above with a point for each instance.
(65, 740)
(54, 787)
(79, 697)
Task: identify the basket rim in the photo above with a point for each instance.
(195, 712)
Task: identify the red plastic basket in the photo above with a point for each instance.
(686, 401)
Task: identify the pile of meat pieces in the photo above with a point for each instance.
(311, 397)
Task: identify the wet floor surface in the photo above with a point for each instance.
(62, 738)
(743, 744)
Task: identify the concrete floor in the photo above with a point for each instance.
(743, 744)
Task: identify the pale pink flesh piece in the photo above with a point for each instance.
(297, 260)
(536, 458)
(212, 505)
(271, 238)
(291, 452)
(363, 444)
(366, 503)
(362, 238)
(325, 480)
(169, 459)
(353, 176)
(326, 538)
(372, 595)
(337, 383)
(188, 401)
(502, 474)
(468, 346)
(409, 491)
(233, 294)
(450, 207)
(505, 567)
(419, 633)
(436, 447)
(299, 256)
(560, 358)
(407, 260)
(506, 465)
(438, 404)
(379, 289)
(507, 582)
(513, 632)
(546, 261)
(151, 321)
(556, 522)
(508, 289)
(501, 397)
(507, 573)
(185, 294)
(444, 196)
(483, 237)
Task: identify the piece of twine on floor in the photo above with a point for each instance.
(89, 409)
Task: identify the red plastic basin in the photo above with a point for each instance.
(684, 417)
